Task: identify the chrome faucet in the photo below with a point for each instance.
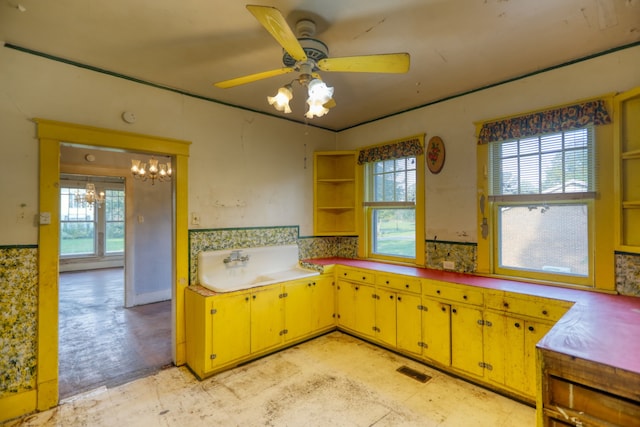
(236, 256)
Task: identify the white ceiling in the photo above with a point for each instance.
(456, 46)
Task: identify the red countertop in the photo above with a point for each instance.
(600, 327)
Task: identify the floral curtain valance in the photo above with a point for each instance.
(561, 119)
(412, 146)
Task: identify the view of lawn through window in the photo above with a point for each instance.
(82, 225)
(392, 200)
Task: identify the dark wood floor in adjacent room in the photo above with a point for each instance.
(103, 343)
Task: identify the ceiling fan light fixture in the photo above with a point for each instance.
(320, 96)
(281, 101)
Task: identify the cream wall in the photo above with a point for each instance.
(451, 195)
(235, 155)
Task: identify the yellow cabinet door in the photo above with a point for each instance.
(323, 305)
(266, 318)
(230, 328)
(495, 345)
(533, 333)
(346, 301)
(365, 305)
(409, 322)
(466, 339)
(297, 309)
(385, 316)
(436, 331)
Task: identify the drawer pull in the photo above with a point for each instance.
(399, 298)
(438, 291)
(364, 278)
(344, 273)
(545, 312)
(505, 304)
(443, 309)
(454, 311)
(531, 328)
(390, 296)
(357, 287)
(406, 286)
(387, 282)
(464, 297)
(517, 325)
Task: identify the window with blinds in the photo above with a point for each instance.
(542, 188)
(551, 165)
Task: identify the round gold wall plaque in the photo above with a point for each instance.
(435, 154)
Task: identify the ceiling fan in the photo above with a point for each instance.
(307, 55)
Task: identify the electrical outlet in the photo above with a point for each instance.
(449, 265)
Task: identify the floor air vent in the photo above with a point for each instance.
(418, 376)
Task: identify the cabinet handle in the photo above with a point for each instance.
(438, 291)
(246, 298)
(309, 284)
(531, 328)
(364, 278)
(443, 309)
(254, 297)
(387, 282)
(517, 325)
(464, 297)
(357, 288)
(399, 298)
(505, 304)
(545, 312)
(344, 274)
(390, 296)
(454, 311)
(406, 286)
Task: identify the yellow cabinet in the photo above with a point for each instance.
(436, 331)
(267, 326)
(627, 170)
(356, 307)
(297, 305)
(466, 339)
(308, 306)
(409, 322)
(335, 193)
(385, 316)
(211, 343)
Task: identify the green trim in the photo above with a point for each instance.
(626, 253)
(196, 230)
(492, 85)
(18, 247)
(446, 242)
(147, 83)
(307, 123)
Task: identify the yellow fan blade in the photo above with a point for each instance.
(253, 77)
(385, 63)
(274, 22)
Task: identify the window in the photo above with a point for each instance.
(87, 230)
(391, 201)
(542, 188)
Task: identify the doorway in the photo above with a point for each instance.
(52, 135)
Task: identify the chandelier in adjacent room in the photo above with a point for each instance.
(153, 171)
(90, 196)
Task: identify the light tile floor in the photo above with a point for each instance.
(334, 380)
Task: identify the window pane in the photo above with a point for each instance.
(114, 225)
(77, 238)
(545, 238)
(394, 232)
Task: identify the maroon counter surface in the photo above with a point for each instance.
(600, 327)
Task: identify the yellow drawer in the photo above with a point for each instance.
(355, 275)
(448, 291)
(398, 282)
(540, 308)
